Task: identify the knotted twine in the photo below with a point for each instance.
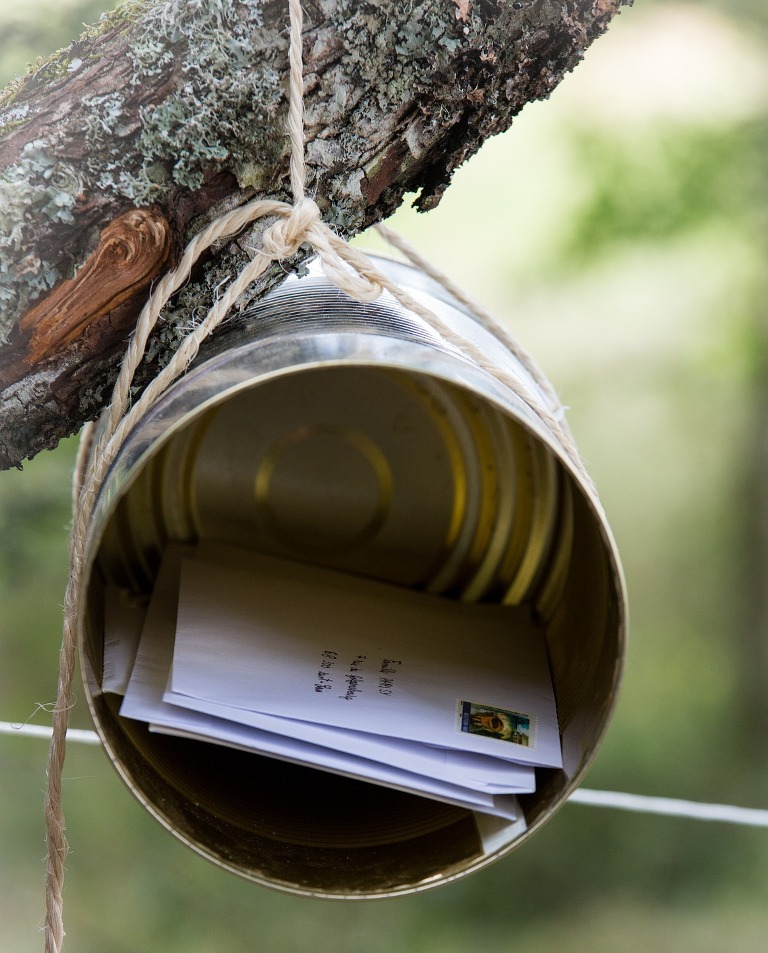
(352, 272)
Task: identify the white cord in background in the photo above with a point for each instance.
(84, 736)
(639, 803)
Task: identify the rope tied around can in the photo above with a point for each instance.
(296, 224)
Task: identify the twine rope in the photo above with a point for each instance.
(295, 224)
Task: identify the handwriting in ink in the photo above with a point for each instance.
(324, 676)
(354, 679)
(389, 668)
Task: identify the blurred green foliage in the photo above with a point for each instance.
(630, 255)
(36, 29)
(650, 192)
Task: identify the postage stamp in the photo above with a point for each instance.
(499, 723)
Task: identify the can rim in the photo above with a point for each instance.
(260, 360)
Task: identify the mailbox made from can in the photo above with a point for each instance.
(352, 436)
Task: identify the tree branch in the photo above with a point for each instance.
(120, 148)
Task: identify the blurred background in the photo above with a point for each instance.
(619, 230)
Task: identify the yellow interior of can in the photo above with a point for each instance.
(402, 478)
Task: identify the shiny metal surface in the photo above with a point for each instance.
(352, 436)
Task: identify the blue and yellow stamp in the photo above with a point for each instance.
(499, 723)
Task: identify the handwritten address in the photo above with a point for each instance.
(357, 675)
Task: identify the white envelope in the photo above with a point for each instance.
(123, 622)
(325, 648)
(232, 735)
(143, 701)
(478, 772)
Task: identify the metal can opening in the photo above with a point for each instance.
(352, 437)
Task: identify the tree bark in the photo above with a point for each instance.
(117, 150)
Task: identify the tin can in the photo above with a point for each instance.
(352, 436)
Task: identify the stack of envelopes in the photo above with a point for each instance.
(440, 698)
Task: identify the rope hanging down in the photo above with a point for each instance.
(296, 224)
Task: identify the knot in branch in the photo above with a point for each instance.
(286, 235)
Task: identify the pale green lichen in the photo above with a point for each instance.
(391, 59)
(13, 118)
(225, 69)
(227, 89)
(213, 115)
(223, 109)
(39, 187)
(35, 187)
